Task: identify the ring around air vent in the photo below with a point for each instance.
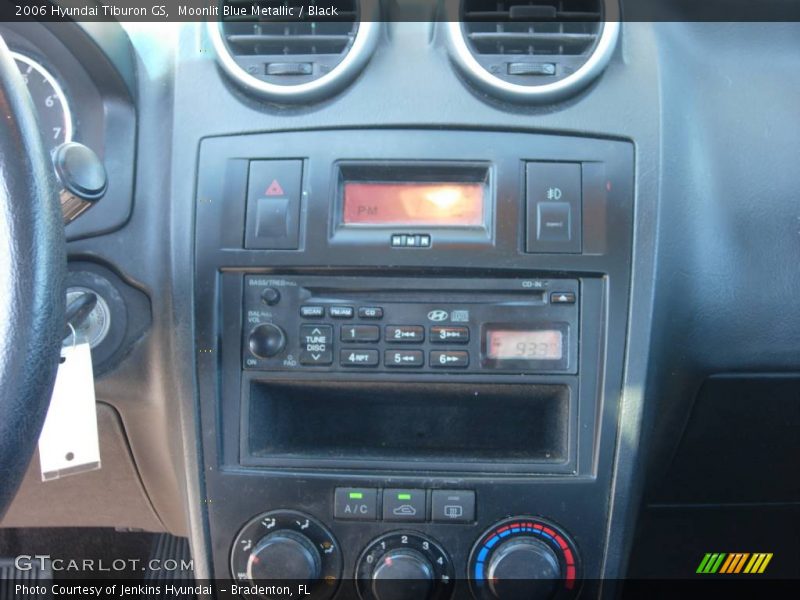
(532, 50)
(274, 68)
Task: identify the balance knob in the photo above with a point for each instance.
(402, 575)
(266, 340)
(523, 568)
(284, 555)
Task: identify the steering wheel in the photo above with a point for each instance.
(32, 275)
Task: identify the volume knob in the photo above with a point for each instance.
(266, 340)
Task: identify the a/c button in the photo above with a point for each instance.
(356, 504)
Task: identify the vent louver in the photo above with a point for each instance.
(529, 49)
(294, 59)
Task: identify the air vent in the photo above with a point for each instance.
(533, 49)
(290, 59)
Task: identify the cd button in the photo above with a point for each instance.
(370, 312)
(442, 335)
(446, 359)
(405, 333)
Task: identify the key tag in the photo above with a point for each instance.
(69, 441)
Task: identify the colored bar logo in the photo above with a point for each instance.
(734, 563)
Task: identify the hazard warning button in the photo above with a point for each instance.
(273, 204)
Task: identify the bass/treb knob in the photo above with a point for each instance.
(287, 545)
(523, 558)
(404, 566)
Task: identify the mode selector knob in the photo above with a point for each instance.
(266, 340)
(523, 568)
(402, 575)
(284, 555)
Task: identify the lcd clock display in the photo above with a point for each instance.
(446, 204)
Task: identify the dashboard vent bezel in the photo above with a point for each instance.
(587, 65)
(354, 58)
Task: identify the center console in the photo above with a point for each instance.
(409, 359)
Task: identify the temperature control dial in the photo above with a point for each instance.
(288, 545)
(523, 557)
(404, 565)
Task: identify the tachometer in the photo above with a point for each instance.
(51, 105)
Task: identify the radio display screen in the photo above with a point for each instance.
(439, 204)
(539, 344)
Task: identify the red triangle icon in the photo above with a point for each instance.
(274, 189)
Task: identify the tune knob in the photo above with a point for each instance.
(404, 566)
(402, 575)
(523, 558)
(266, 340)
(284, 555)
(523, 568)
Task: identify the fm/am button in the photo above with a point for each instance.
(356, 504)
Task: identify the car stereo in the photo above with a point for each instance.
(398, 324)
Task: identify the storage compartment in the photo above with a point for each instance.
(394, 422)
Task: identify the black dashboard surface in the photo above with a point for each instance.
(711, 111)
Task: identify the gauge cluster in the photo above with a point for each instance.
(82, 85)
(52, 106)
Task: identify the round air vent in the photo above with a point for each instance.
(532, 50)
(290, 60)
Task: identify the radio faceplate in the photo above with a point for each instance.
(382, 324)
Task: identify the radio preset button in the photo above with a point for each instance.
(446, 359)
(360, 333)
(441, 334)
(403, 358)
(370, 312)
(312, 312)
(341, 312)
(358, 358)
(407, 334)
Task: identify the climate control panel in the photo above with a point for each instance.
(518, 557)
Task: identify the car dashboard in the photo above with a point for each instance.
(411, 298)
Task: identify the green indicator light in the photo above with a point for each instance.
(404, 496)
(356, 495)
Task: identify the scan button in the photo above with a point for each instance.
(404, 505)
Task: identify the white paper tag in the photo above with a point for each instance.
(69, 443)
